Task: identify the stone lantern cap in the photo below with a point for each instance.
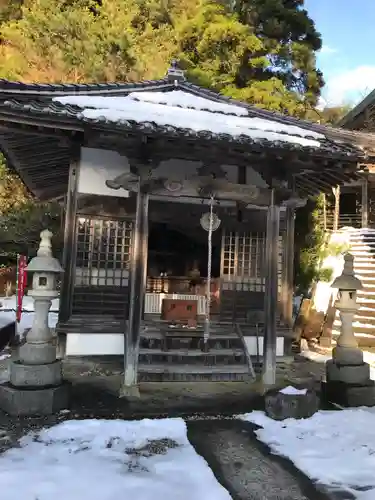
(347, 280)
(44, 260)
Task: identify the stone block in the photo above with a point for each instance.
(33, 402)
(350, 374)
(349, 395)
(280, 405)
(347, 355)
(22, 375)
(37, 354)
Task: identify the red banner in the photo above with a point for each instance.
(21, 284)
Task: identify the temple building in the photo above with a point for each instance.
(353, 204)
(179, 218)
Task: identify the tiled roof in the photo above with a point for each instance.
(74, 115)
(36, 100)
(8, 88)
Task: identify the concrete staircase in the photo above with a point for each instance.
(362, 247)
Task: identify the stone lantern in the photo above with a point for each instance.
(348, 380)
(35, 386)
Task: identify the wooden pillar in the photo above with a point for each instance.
(324, 212)
(145, 232)
(70, 241)
(136, 299)
(336, 215)
(271, 294)
(289, 265)
(365, 202)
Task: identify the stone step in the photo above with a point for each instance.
(365, 271)
(365, 301)
(364, 340)
(362, 246)
(364, 319)
(366, 311)
(216, 357)
(358, 327)
(214, 342)
(366, 282)
(193, 373)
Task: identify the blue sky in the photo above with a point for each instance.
(347, 58)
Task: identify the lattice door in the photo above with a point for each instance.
(102, 266)
(243, 260)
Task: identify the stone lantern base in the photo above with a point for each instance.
(25, 402)
(347, 381)
(34, 390)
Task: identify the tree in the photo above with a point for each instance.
(290, 42)
(262, 52)
(259, 51)
(13, 193)
(83, 41)
(332, 115)
(20, 228)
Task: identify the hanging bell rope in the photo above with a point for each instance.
(210, 222)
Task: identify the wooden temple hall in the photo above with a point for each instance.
(179, 218)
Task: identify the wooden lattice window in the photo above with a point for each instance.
(103, 252)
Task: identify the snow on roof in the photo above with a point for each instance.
(185, 100)
(183, 110)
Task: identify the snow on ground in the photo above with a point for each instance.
(108, 460)
(8, 312)
(333, 448)
(368, 357)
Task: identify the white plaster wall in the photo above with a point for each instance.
(110, 344)
(94, 344)
(97, 166)
(251, 346)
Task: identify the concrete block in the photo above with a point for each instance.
(38, 354)
(280, 406)
(349, 395)
(22, 375)
(350, 374)
(33, 402)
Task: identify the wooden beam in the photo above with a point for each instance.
(136, 298)
(271, 295)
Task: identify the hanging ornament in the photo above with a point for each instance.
(206, 219)
(210, 222)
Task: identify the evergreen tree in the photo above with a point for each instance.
(290, 42)
(13, 194)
